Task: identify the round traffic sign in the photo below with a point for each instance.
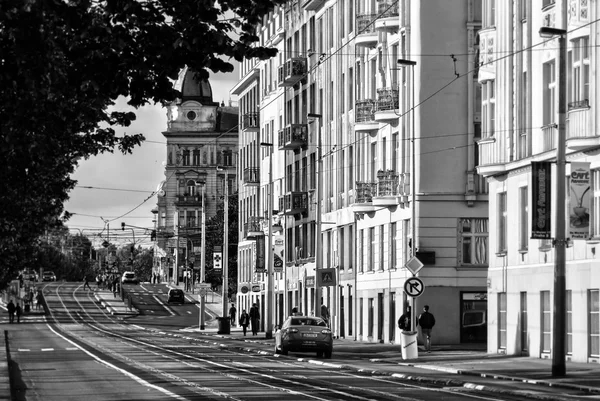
(414, 287)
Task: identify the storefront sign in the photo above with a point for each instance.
(260, 255)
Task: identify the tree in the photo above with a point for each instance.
(65, 62)
(214, 230)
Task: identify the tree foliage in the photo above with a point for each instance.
(63, 63)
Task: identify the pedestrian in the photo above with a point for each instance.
(38, 300)
(232, 313)
(11, 311)
(244, 320)
(295, 311)
(254, 318)
(426, 321)
(404, 322)
(325, 313)
(86, 283)
(98, 281)
(18, 311)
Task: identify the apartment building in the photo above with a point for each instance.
(201, 152)
(521, 92)
(353, 164)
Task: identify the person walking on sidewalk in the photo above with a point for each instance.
(244, 320)
(18, 312)
(404, 322)
(11, 311)
(426, 321)
(86, 283)
(232, 313)
(254, 318)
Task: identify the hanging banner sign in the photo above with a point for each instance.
(278, 253)
(541, 192)
(260, 255)
(579, 201)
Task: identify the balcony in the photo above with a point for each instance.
(188, 200)
(387, 189)
(487, 55)
(363, 202)
(292, 71)
(253, 228)
(389, 19)
(364, 116)
(579, 134)
(365, 28)
(294, 136)
(251, 122)
(387, 104)
(549, 137)
(293, 203)
(251, 176)
(313, 5)
(492, 157)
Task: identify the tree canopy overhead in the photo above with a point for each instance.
(64, 62)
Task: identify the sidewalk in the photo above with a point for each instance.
(113, 304)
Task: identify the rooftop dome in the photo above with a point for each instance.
(192, 89)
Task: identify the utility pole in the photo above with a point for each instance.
(319, 195)
(225, 244)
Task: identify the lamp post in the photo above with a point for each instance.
(318, 243)
(203, 255)
(270, 274)
(225, 295)
(413, 204)
(559, 322)
(154, 264)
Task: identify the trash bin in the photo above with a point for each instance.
(223, 325)
(409, 345)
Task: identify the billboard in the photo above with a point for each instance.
(579, 201)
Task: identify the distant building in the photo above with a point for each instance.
(201, 135)
(335, 106)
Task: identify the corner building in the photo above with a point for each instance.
(355, 162)
(520, 92)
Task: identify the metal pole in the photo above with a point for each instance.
(558, 331)
(203, 258)
(225, 245)
(270, 273)
(318, 243)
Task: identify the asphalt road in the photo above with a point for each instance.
(82, 353)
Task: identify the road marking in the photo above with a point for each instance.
(47, 349)
(163, 305)
(23, 350)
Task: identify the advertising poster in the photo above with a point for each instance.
(278, 253)
(541, 191)
(260, 255)
(579, 201)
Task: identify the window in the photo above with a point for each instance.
(594, 322)
(595, 217)
(489, 13)
(546, 3)
(361, 247)
(371, 250)
(523, 219)
(546, 323)
(196, 157)
(393, 246)
(502, 224)
(190, 218)
(473, 242)
(186, 158)
(549, 113)
(488, 108)
(191, 187)
(381, 247)
(524, 332)
(502, 320)
(579, 73)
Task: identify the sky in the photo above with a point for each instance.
(114, 188)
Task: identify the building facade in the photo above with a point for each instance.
(353, 163)
(202, 140)
(519, 76)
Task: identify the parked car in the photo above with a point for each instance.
(175, 295)
(130, 278)
(48, 276)
(304, 334)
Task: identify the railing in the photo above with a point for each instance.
(387, 183)
(524, 146)
(365, 191)
(578, 122)
(364, 111)
(365, 23)
(250, 121)
(251, 175)
(387, 8)
(387, 99)
(549, 133)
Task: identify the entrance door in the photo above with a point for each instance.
(473, 312)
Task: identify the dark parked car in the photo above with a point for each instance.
(304, 334)
(30, 275)
(176, 295)
(48, 276)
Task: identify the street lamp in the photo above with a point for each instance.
(413, 242)
(203, 253)
(270, 274)
(155, 272)
(559, 322)
(225, 241)
(319, 195)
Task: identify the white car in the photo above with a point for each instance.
(130, 277)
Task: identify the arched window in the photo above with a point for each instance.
(186, 158)
(191, 187)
